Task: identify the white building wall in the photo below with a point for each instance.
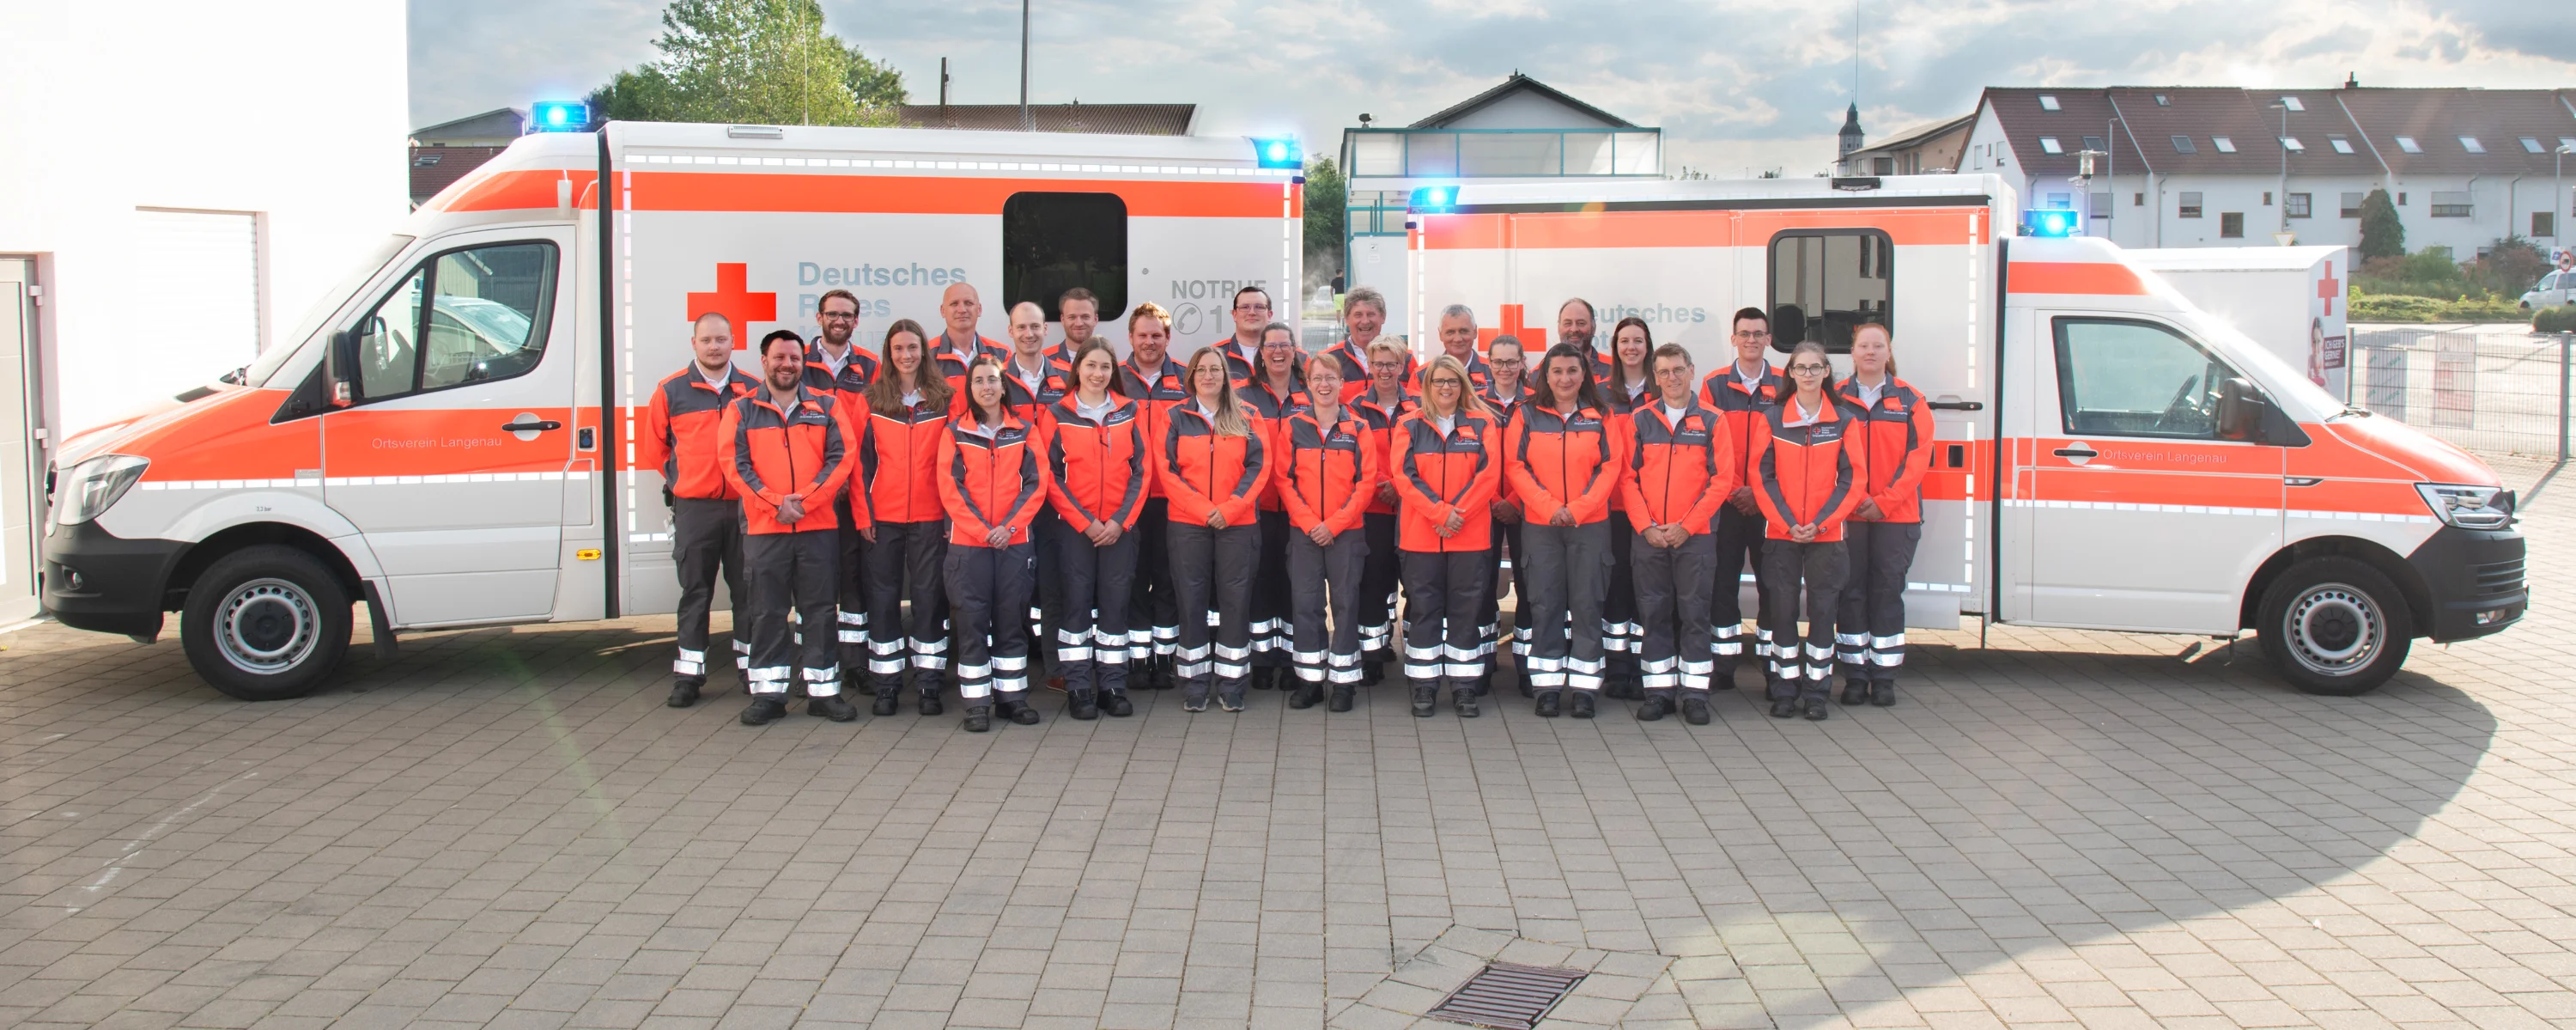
(294, 110)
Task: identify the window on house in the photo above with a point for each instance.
(1824, 283)
(2182, 145)
(2408, 144)
(2163, 100)
(2231, 225)
(2137, 200)
(2293, 104)
(2061, 200)
(2296, 205)
(2190, 206)
(2101, 205)
(2267, 198)
(2340, 144)
(2292, 144)
(2224, 145)
(2450, 204)
(2568, 142)
(2471, 144)
(2531, 145)
(2047, 102)
(2401, 199)
(2544, 223)
(1882, 166)
(2095, 143)
(2049, 145)
(2352, 205)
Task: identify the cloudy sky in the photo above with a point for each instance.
(1735, 85)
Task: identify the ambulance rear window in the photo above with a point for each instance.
(1053, 242)
(1825, 282)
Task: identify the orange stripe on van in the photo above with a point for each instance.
(948, 195)
(2090, 277)
(510, 191)
(1625, 229)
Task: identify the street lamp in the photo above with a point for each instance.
(2283, 235)
(2557, 189)
(2083, 179)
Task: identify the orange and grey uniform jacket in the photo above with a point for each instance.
(1679, 470)
(772, 454)
(1329, 472)
(898, 475)
(1382, 419)
(1155, 391)
(1439, 474)
(1741, 408)
(1563, 460)
(1237, 367)
(1274, 411)
(1096, 469)
(1028, 405)
(1806, 474)
(683, 432)
(853, 380)
(1506, 409)
(987, 483)
(1894, 447)
(1357, 378)
(951, 366)
(1204, 470)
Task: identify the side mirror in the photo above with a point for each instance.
(339, 365)
(1788, 327)
(2240, 410)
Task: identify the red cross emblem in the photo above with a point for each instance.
(2328, 289)
(734, 300)
(1531, 337)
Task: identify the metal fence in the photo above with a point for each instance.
(2490, 393)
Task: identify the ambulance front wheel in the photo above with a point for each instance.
(2335, 626)
(266, 623)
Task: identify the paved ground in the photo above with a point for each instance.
(507, 828)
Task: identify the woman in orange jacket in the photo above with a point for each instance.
(1385, 401)
(1096, 472)
(1328, 474)
(1893, 444)
(1562, 457)
(1806, 481)
(1212, 462)
(993, 484)
(900, 423)
(1446, 466)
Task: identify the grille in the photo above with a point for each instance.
(2497, 578)
(1506, 996)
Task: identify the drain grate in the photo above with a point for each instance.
(1506, 996)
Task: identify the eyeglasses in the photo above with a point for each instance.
(1812, 370)
(838, 316)
(1450, 383)
(1277, 345)
(1252, 307)
(1676, 372)
(1762, 335)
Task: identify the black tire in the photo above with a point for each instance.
(266, 623)
(2335, 626)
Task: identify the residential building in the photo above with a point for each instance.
(448, 151)
(1521, 130)
(1923, 150)
(2190, 166)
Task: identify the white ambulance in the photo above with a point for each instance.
(2108, 457)
(451, 439)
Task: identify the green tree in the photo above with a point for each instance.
(2382, 234)
(751, 61)
(1327, 203)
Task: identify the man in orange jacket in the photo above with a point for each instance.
(1681, 470)
(785, 454)
(680, 439)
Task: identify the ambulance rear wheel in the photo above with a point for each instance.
(2335, 626)
(266, 623)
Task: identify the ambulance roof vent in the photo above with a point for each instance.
(755, 132)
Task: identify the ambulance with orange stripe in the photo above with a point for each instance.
(2107, 456)
(451, 438)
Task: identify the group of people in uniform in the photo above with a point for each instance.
(956, 508)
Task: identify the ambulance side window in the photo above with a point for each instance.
(466, 316)
(1053, 242)
(2122, 377)
(1825, 282)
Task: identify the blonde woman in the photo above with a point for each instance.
(1213, 462)
(1446, 463)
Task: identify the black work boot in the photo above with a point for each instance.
(1426, 698)
(764, 709)
(1694, 709)
(1341, 698)
(1581, 706)
(927, 682)
(859, 683)
(1463, 696)
(1261, 675)
(835, 708)
(683, 694)
(1372, 673)
(1855, 691)
(1116, 704)
(1784, 707)
(979, 718)
(1657, 706)
(1079, 704)
(1883, 693)
(1816, 710)
(1018, 711)
(1548, 704)
(889, 698)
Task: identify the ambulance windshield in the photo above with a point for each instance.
(257, 372)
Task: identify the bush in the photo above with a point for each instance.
(2560, 319)
(2378, 307)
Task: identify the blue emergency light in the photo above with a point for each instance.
(1434, 198)
(558, 116)
(1278, 153)
(2050, 222)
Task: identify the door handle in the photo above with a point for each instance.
(2302, 480)
(1956, 405)
(2077, 452)
(532, 427)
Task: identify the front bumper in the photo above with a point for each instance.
(2476, 581)
(121, 582)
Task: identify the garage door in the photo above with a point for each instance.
(196, 285)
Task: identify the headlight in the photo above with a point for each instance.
(88, 489)
(2469, 507)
